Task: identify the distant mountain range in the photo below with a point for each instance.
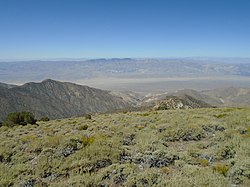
(76, 70)
(63, 99)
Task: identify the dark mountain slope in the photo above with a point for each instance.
(6, 102)
(57, 99)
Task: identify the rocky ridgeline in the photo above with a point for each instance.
(180, 102)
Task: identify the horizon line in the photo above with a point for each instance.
(109, 58)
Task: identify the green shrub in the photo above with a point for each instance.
(221, 168)
(6, 182)
(144, 114)
(226, 151)
(28, 138)
(220, 115)
(87, 116)
(165, 170)
(45, 118)
(52, 141)
(19, 118)
(87, 140)
(204, 162)
(83, 127)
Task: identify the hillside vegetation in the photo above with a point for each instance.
(194, 147)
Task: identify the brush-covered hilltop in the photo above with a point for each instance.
(194, 147)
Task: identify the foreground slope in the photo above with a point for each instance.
(194, 147)
(57, 99)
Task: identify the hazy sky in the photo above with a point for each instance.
(124, 28)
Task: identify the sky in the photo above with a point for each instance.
(37, 29)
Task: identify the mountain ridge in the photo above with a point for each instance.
(57, 99)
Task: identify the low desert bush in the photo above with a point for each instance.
(19, 118)
(221, 168)
(45, 118)
(83, 127)
(87, 116)
(87, 140)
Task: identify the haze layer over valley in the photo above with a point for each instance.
(139, 75)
